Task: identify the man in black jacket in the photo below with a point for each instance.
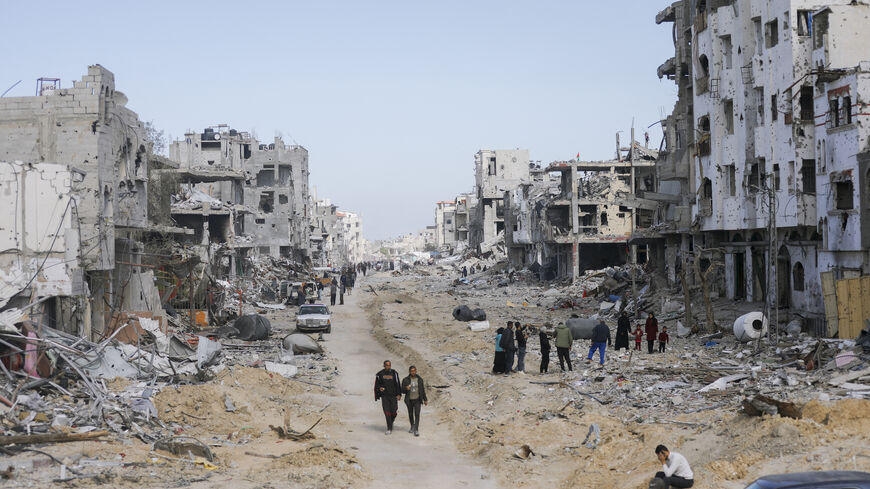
(415, 394)
(509, 346)
(388, 390)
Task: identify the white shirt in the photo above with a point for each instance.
(677, 465)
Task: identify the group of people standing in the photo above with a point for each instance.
(511, 342)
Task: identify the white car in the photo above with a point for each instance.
(314, 318)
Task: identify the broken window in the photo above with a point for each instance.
(820, 29)
(267, 202)
(260, 221)
(732, 180)
(266, 178)
(847, 109)
(776, 176)
(774, 111)
(491, 166)
(771, 33)
(604, 219)
(752, 179)
(808, 176)
(834, 109)
(790, 181)
(798, 277)
(283, 199)
(705, 65)
(843, 194)
(728, 113)
(706, 205)
(726, 51)
(284, 172)
(759, 35)
(804, 22)
(806, 103)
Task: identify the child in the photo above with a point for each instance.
(663, 339)
(638, 337)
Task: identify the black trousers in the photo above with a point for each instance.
(332, 300)
(414, 406)
(391, 409)
(674, 481)
(649, 345)
(545, 361)
(564, 356)
(661, 346)
(341, 300)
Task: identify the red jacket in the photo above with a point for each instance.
(663, 337)
(652, 328)
(638, 335)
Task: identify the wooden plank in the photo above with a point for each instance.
(842, 307)
(829, 292)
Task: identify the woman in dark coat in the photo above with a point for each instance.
(498, 362)
(623, 328)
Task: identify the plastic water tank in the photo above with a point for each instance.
(750, 326)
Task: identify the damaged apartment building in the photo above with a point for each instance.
(100, 232)
(259, 191)
(336, 236)
(74, 183)
(764, 165)
(496, 171)
(579, 215)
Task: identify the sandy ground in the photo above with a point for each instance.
(473, 429)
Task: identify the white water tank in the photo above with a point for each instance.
(750, 326)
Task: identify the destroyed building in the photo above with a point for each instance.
(274, 190)
(336, 236)
(75, 182)
(764, 149)
(445, 224)
(496, 171)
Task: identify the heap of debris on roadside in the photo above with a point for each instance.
(56, 387)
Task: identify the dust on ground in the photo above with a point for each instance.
(494, 416)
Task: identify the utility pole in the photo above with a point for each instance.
(633, 247)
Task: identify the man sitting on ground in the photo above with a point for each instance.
(675, 469)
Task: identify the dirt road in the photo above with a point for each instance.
(429, 461)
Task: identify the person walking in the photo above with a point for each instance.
(509, 346)
(341, 289)
(600, 340)
(564, 340)
(652, 331)
(415, 394)
(623, 327)
(498, 361)
(676, 471)
(333, 290)
(663, 339)
(300, 295)
(389, 392)
(522, 336)
(545, 351)
(319, 290)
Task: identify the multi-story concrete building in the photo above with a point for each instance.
(445, 224)
(755, 145)
(350, 235)
(496, 171)
(81, 186)
(275, 190)
(464, 205)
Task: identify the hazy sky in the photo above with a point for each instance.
(391, 98)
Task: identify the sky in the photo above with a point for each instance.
(392, 99)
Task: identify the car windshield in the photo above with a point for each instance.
(313, 310)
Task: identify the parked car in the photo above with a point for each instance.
(314, 318)
(834, 479)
